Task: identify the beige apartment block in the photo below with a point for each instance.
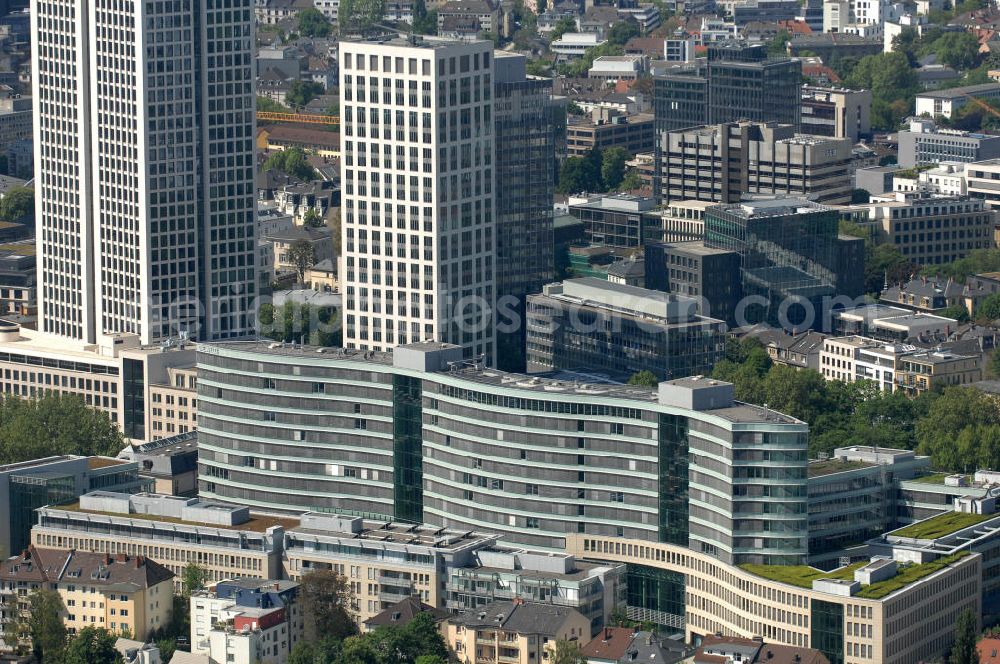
(903, 617)
(174, 403)
(515, 632)
(124, 594)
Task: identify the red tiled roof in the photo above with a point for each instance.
(611, 643)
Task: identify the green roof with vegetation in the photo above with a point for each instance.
(831, 466)
(935, 478)
(801, 575)
(906, 575)
(941, 525)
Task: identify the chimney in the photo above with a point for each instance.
(140, 561)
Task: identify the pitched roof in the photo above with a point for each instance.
(518, 616)
(403, 612)
(611, 643)
(100, 569)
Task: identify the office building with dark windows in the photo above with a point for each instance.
(421, 435)
(618, 220)
(691, 269)
(524, 114)
(593, 325)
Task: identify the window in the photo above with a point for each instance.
(269, 384)
(531, 489)
(617, 497)
(531, 522)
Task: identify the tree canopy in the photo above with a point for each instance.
(291, 321)
(52, 425)
(359, 15)
(416, 642)
(291, 162)
(975, 262)
(597, 171)
(302, 92)
(45, 625)
(326, 599)
(893, 84)
(91, 645)
(312, 23)
(17, 202)
(644, 378)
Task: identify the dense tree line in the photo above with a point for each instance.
(958, 427)
(54, 424)
(597, 171)
(417, 642)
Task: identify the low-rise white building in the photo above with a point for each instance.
(575, 44)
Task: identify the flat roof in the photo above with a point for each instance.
(394, 532)
(258, 523)
(951, 93)
(832, 466)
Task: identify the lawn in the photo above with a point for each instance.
(801, 575)
(934, 478)
(941, 525)
(907, 575)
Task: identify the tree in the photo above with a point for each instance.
(956, 311)
(45, 625)
(326, 598)
(644, 378)
(292, 321)
(312, 219)
(193, 578)
(632, 180)
(859, 196)
(323, 651)
(893, 84)
(268, 104)
(613, 167)
(52, 425)
(622, 31)
(564, 25)
(567, 652)
(989, 309)
(966, 635)
(312, 23)
(92, 645)
(302, 255)
(959, 50)
(302, 92)
(779, 44)
(939, 432)
(291, 162)
(424, 22)
(975, 262)
(884, 262)
(359, 15)
(17, 202)
(578, 174)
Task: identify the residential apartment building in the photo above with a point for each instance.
(738, 81)
(15, 119)
(416, 128)
(855, 614)
(516, 632)
(115, 376)
(924, 143)
(926, 294)
(26, 486)
(226, 541)
(247, 620)
(982, 180)
(124, 594)
(384, 562)
(617, 220)
(485, 12)
(607, 129)
(385, 435)
(174, 403)
(722, 163)
(895, 367)
(525, 125)
(590, 324)
(144, 163)
(928, 229)
(836, 112)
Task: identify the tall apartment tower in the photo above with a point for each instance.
(419, 217)
(144, 154)
(525, 134)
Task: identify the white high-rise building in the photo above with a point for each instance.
(144, 157)
(418, 218)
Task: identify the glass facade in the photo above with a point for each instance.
(673, 482)
(828, 630)
(407, 452)
(26, 494)
(744, 84)
(655, 595)
(134, 399)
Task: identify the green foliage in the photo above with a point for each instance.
(859, 196)
(959, 50)
(578, 174)
(302, 92)
(779, 43)
(941, 525)
(961, 430)
(989, 309)
(956, 311)
(581, 66)
(193, 579)
(359, 15)
(893, 84)
(52, 425)
(424, 22)
(323, 651)
(302, 254)
(885, 262)
(312, 219)
(167, 646)
(92, 645)
(539, 67)
(326, 599)
(312, 23)
(291, 321)
(17, 202)
(644, 378)
(564, 25)
(966, 635)
(908, 574)
(45, 625)
(976, 262)
(269, 105)
(567, 652)
(291, 162)
(613, 167)
(632, 180)
(622, 31)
